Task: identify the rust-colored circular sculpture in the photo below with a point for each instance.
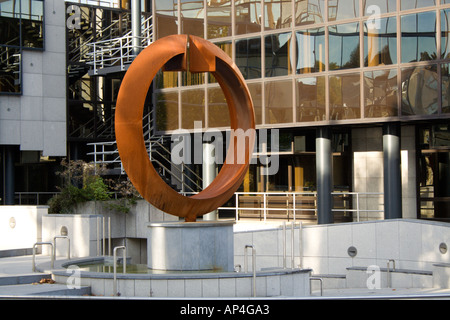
(171, 54)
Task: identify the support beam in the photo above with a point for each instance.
(392, 171)
(209, 173)
(324, 171)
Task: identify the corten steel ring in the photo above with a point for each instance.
(170, 54)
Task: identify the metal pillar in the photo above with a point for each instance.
(324, 171)
(392, 171)
(9, 175)
(209, 173)
(136, 25)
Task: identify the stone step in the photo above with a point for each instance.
(23, 278)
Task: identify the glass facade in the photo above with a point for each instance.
(21, 27)
(336, 62)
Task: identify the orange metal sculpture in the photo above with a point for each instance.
(171, 54)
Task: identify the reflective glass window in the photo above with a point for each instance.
(409, 4)
(256, 94)
(445, 33)
(310, 99)
(343, 9)
(166, 18)
(248, 57)
(344, 46)
(10, 23)
(380, 42)
(219, 19)
(311, 50)
(218, 114)
(168, 79)
(10, 69)
(32, 14)
(373, 7)
(445, 78)
(278, 102)
(277, 54)
(419, 37)
(309, 12)
(345, 97)
(420, 90)
(192, 108)
(277, 14)
(192, 17)
(167, 111)
(248, 16)
(380, 94)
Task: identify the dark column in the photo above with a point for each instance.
(9, 176)
(324, 171)
(392, 171)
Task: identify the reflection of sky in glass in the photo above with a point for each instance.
(418, 37)
(383, 5)
(311, 48)
(410, 4)
(343, 42)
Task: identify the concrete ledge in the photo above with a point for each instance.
(441, 275)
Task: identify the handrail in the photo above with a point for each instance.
(124, 253)
(34, 254)
(321, 284)
(388, 274)
(54, 246)
(248, 246)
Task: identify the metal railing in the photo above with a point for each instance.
(253, 266)
(52, 264)
(100, 3)
(124, 255)
(293, 204)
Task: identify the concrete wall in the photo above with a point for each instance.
(414, 244)
(36, 120)
(368, 176)
(20, 226)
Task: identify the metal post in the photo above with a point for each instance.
(292, 244)
(300, 248)
(54, 246)
(136, 25)
(34, 254)
(209, 173)
(324, 169)
(109, 236)
(98, 236)
(103, 236)
(237, 206)
(284, 244)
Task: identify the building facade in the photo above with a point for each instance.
(357, 92)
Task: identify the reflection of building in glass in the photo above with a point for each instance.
(352, 73)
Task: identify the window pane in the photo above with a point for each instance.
(219, 19)
(345, 102)
(166, 18)
(10, 70)
(385, 6)
(167, 79)
(256, 94)
(167, 111)
(10, 23)
(420, 90)
(380, 42)
(409, 4)
(248, 57)
(344, 46)
(380, 94)
(445, 88)
(277, 49)
(192, 108)
(343, 9)
(278, 102)
(311, 99)
(445, 33)
(248, 16)
(278, 14)
(309, 12)
(192, 17)
(33, 23)
(311, 50)
(218, 114)
(419, 37)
